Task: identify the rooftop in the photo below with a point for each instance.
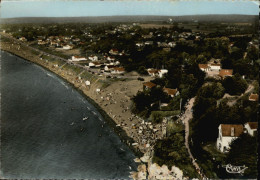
(226, 129)
(149, 84)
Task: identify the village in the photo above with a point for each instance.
(154, 74)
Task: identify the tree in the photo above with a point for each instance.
(157, 94)
(234, 85)
(214, 90)
(244, 152)
(141, 102)
(142, 70)
(201, 105)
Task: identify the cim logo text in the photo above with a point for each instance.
(235, 169)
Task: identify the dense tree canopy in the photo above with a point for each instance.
(244, 152)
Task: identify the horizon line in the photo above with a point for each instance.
(129, 16)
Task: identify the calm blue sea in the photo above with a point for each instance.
(42, 131)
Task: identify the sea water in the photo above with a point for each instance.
(43, 134)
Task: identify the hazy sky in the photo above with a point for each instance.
(67, 8)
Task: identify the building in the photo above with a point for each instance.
(67, 47)
(109, 58)
(118, 70)
(41, 42)
(253, 97)
(172, 44)
(228, 133)
(93, 58)
(204, 67)
(171, 92)
(153, 72)
(148, 85)
(162, 72)
(22, 39)
(139, 44)
(109, 68)
(78, 58)
(95, 64)
(215, 67)
(148, 43)
(251, 128)
(225, 72)
(114, 52)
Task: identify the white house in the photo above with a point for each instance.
(172, 44)
(94, 64)
(228, 133)
(215, 67)
(78, 58)
(162, 72)
(171, 92)
(22, 39)
(253, 97)
(153, 72)
(204, 67)
(139, 44)
(148, 43)
(113, 51)
(93, 58)
(118, 70)
(41, 42)
(109, 67)
(251, 128)
(67, 47)
(225, 72)
(109, 58)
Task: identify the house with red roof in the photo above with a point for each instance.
(114, 52)
(78, 58)
(153, 72)
(148, 85)
(223, 73)
(118, 70)
(253, 97)
(251, 128)
(227, 134)
(204, 67)
(230, 132)
(171, 92)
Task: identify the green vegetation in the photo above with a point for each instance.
(234, 85)
(174, 126)
(207, 117)
(172, 152)
(157, 116)
(75, 69)
(244, 152)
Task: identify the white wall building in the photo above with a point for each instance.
(228, 133)
(204, 67)
(78, 58)
(251, 128)
(162, 72)
(67, 47)
(93, 58)
(215, 67)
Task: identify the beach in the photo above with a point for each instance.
(113, 101)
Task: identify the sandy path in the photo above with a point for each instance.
(186, 117)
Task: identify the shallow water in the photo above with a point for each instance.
(43, 134)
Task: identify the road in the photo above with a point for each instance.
(186, 117)
(93, 71)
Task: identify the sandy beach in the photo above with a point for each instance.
(114, 100)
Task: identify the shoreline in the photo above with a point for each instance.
(120, 132)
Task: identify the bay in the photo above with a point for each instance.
(43, 134)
